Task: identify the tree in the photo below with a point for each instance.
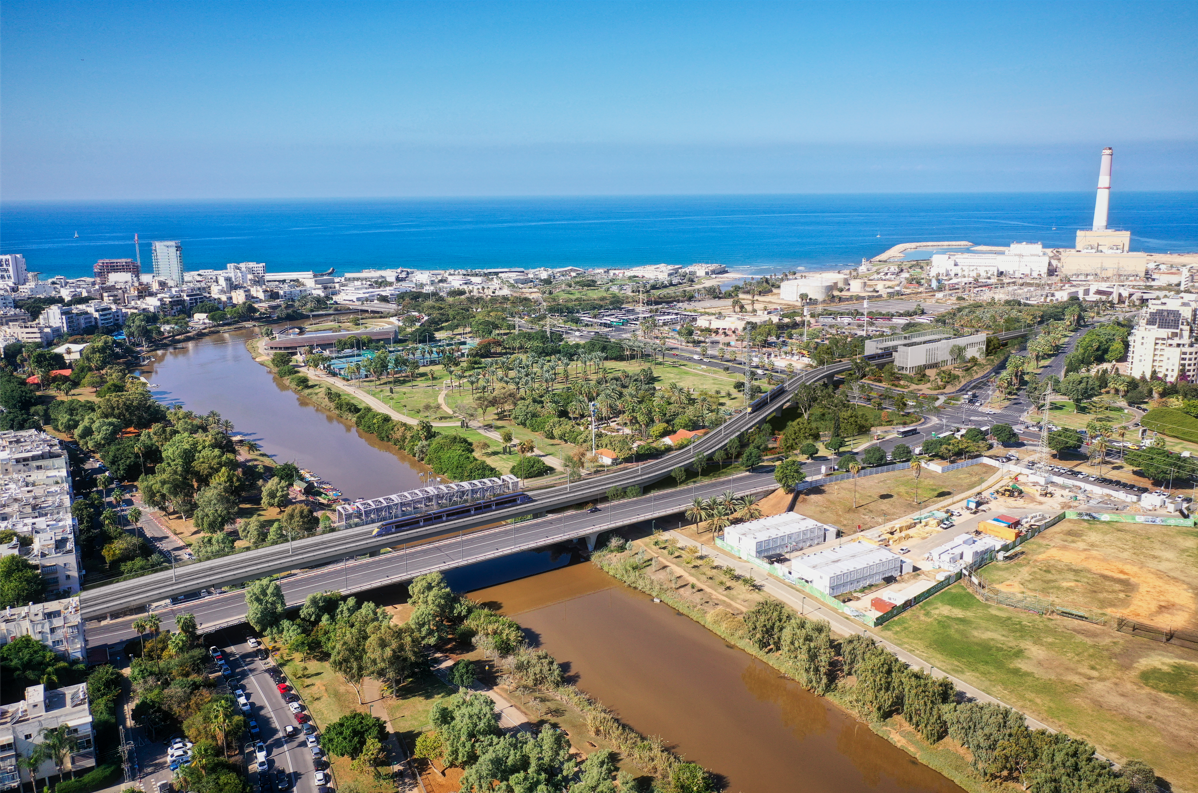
(854, 468)
(765, 622)
(216, 508)
(299, 520)
(274, 493)
(874, 456)
(253, 530)
(690, 778)
(429, 746)
(1004, 434)
(288, 472)
(186, 625)
(371, 757)
(901, 453)
(213, 546)
(789, 474)
(1141, 778)
(57, 745)
(1081, 389)
(264, 604)
(917, 462)
(25, 661)
(435, 608)
(462, 674)
(20, 582)
(347, 736)
(679, 475)
(834, 444)
(809, 450)
(1064, 440)
(751, 458)
(464, 722)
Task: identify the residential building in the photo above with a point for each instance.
(6, 301)
(23, 725)
(168, 262)
(55, 623)
(71, 352)
(107, 267)
(12, 270)
(14, 316)
(682, 435)
(28, 333)
(105, 315)
(1163, 341)
(31, 451)
(607, 456)
(247, 273)
(776, 534)
(846, 568)
(68, 320)
(53, 552)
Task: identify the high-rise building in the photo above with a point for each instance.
(106, 267)
(12, 269)
(168, 261)
(1164, 342)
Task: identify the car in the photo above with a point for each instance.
(260, 751)
(289, 731)
(291, 697)
(264, 783)
(252, 642)
(176, 754)
(320, 764)
(215, 653)
(164, 787)
(309, 729)
(254, 728)
(904, 550)
(295, 707)
(316, 751)
(263, 766)
(322, 778)
(182, 742)
(226, 671)
(593, 509)
(243, 700)
(323, 789)
(302, 718)
(263, 654)
(180, 762)
(313, 740)
(282, 779)
(283, 688)
(236, 688)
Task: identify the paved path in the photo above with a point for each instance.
(372, 401)
(405, 777)
(510, 717)
(549, 459)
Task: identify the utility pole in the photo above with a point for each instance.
(592, 429)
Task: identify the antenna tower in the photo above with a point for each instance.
(1042, 448)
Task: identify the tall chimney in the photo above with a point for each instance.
(1103, 202)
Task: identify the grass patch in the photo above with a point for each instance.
(1171, 422)
(1065, 414)
(1081, 678)
(1179, 680)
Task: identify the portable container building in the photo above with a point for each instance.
(1000, 530)
(881, 606)
(1008, 520)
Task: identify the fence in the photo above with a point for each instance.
(828, 480)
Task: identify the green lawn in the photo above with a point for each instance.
(1126, 695)
(1172, 422)
(1064, 414)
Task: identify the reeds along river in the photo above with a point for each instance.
(219, 373)
(665, 675)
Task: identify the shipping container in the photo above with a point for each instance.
(1009, 520)
(1003, 532)
(881, 606)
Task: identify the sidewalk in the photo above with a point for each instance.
(510, 717)
(374, 402)
(405, 777)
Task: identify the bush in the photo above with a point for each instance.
(429, 746)
(286, 371)
(98, 778)
(874, 455)
(348, 735)
(531, 467)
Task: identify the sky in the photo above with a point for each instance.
(191, 100)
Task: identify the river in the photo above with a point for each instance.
(218, 373)
(663, 674)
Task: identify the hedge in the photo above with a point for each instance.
(531, 467)
(98, 778)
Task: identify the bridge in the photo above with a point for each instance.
(312, 552)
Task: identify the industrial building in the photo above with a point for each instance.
(847, 568)
(777, 534)
(1163, 340)
(816, 287)
(1103, 252)
(914, 352)
(1021, 260)
(964, 551)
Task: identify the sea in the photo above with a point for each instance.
(750, 235)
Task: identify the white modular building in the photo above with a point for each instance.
(1021, 260)
(846, 568)
(964, 551)
(777, 534)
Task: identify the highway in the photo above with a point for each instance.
(311, 552)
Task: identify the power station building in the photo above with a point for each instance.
(1021, 260)
(1103, 252)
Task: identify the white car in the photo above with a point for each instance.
(175, 754)
(322, 778)
(295, 707)
(260, 751)
(253, 643)
(313, 740)
(243, 702)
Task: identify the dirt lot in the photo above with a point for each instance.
(1131, 697)
(885, 497)
(1141, 571)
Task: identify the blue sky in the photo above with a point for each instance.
(240, 100)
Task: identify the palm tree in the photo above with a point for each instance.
(719, 519)
(698, 511)
(141, 627)
(1099, 447)
(854, 469)
(31, 762)
(747, 509)
(222, 720)
(57, 744)
(917, 470)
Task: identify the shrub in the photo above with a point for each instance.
(286, 371)
(346, 736)
(531, 467)
(99, 777)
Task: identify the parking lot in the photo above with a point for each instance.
(273, 759)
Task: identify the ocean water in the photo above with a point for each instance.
(751, 234)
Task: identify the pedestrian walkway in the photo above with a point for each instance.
(510, 717)
(549, 459)
(403, 773)
(372, 401)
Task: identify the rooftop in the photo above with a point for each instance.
(775, 526)
(843, 558)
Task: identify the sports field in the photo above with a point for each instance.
(1144, 572)
(1129, 696)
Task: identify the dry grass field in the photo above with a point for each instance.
(1140, 571)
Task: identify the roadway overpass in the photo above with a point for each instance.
(311, 552)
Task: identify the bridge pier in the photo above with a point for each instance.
(591, 540)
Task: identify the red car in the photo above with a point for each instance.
(283, 688)
(301, 718)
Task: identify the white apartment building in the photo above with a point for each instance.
(168, 261)
(1163, 340)
(12, 269)
(846, 568)
(55, 623)
(1021, 260)
(777, 534)
(247, 273)
(6, 300)
(53, 551)
(31, 451)
(22, 725)
(68, 320)
(28, 333)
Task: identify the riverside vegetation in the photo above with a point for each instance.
(906, 705)
(360, 641)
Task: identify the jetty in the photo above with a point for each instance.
(896, 253)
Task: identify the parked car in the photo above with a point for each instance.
(254, 729)
(263, 767)
(295, 707)
(322, 778)
(302, 718)
(282, 779)
(243, 703)
(316, 751)
(290, 731)
(260, 751)
(291, 697)
(309, 729)
(215, 653)
(283, 688)
(253, 642)
(313, 740)
(226, 671)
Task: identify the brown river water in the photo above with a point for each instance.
(218, 373)
(660, 672)
(665, 675)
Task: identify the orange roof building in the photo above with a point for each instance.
(683, 435)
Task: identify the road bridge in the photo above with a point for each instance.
(310, 552)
